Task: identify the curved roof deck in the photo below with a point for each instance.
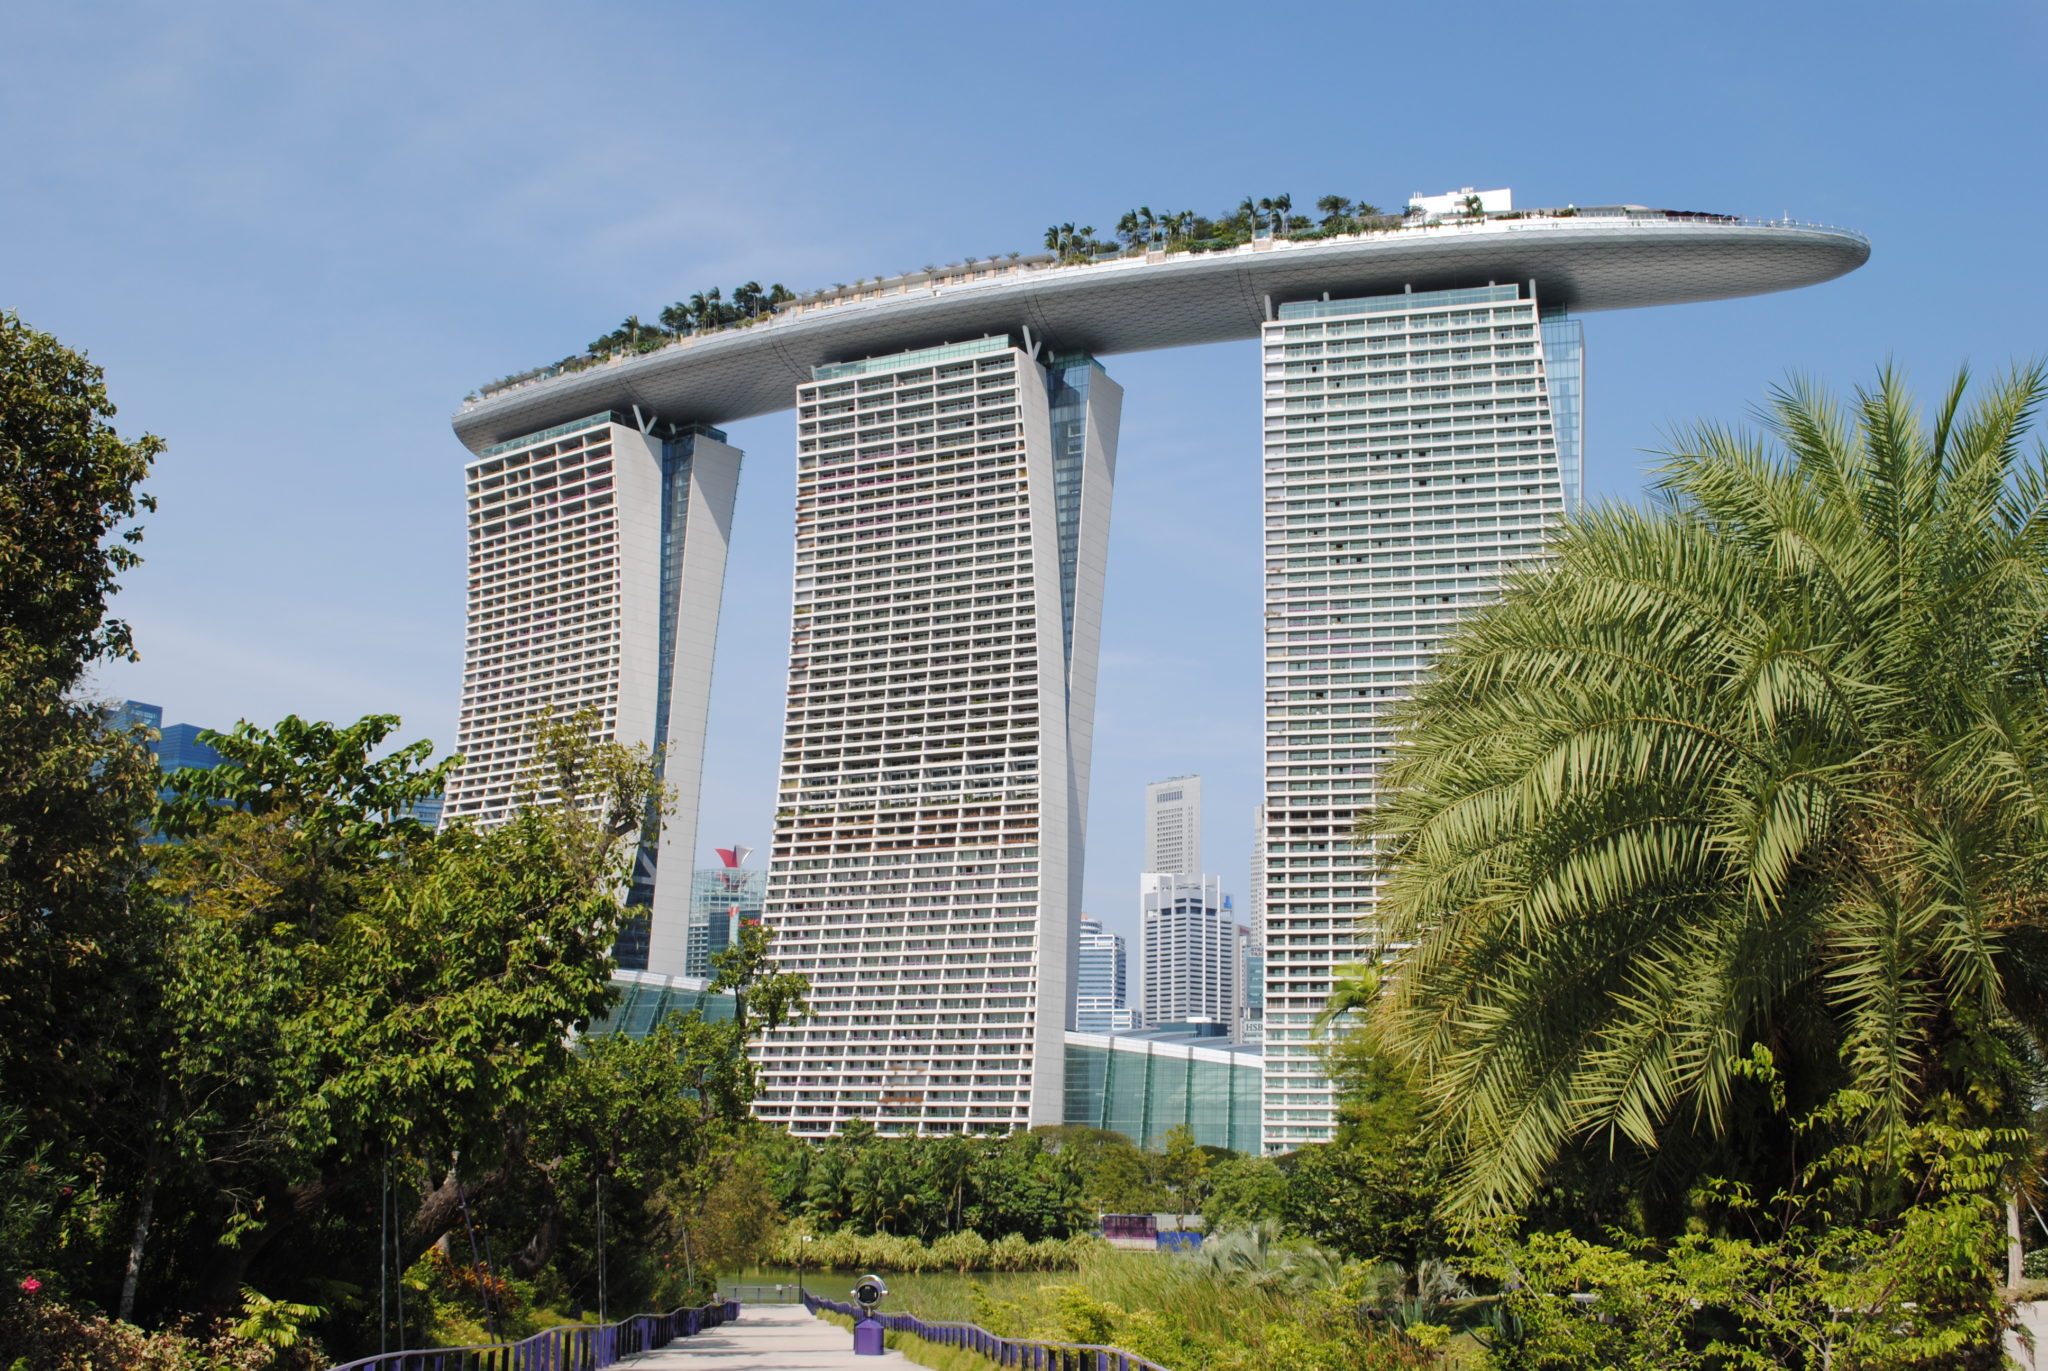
(1157, 300)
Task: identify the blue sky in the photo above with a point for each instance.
(297, 235)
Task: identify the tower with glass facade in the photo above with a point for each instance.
(952, 517)
(1101, 985)
(721, 899)
(1417, 447)
(596, 564)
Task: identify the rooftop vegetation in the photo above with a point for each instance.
(1139, 230)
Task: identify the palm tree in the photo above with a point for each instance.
(676, 318)
(1762, 765)
(1280, 205)
(1336, 211)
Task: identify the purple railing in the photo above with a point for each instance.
(1031, 1354)
(572, 1347)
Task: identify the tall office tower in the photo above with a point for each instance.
(1255, 883)
(1417, 447)
(1173, 825)
(1250, 1023)
(596, 562)
(722, 897)
(1100, 985)
(1188, 940)
(952, 523)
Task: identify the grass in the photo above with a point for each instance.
(942, 1296)
(1183, 1312)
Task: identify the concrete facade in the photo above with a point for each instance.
(952, 531)
(597, 556)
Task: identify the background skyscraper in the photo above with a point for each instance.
(1101, 1003)
(1190, 950)
(721, 898)
(1250, 1024)
(1173, 826)
(1417, 448)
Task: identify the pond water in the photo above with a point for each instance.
(927, 1294)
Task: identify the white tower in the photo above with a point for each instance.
(1189, 938)
(1173, 826)
(952, 528)
(596, 563)
(1417, 448)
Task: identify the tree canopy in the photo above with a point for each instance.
(1762, 764)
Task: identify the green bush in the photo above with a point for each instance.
(958, 1252)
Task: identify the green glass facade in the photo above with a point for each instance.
(1141, 1088)
(646, 999)
(1131, 1084)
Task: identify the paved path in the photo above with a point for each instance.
(768, 1337)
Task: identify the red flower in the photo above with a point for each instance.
(30, 1284)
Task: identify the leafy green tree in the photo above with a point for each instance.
(1184, 1169)
(1243, 1192)
(1021, 1188)
(74, 798)
(341, 986)
(1117, 1176)
(1764, 763)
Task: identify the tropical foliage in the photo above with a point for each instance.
(1761, 765)
(253, 1075)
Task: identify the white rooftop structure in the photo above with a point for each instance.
(1580, 260)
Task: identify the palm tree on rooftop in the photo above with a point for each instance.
(1762, 764)
(676, 318)
(1336, 210)
(1129, 229)
(1281, 204)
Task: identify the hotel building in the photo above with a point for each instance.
(596, 564)
(952, 519)
(1422, 412)
(1418, 446)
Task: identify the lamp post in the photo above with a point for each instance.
(802, 1247)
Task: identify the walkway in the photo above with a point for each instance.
(768, 1337)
